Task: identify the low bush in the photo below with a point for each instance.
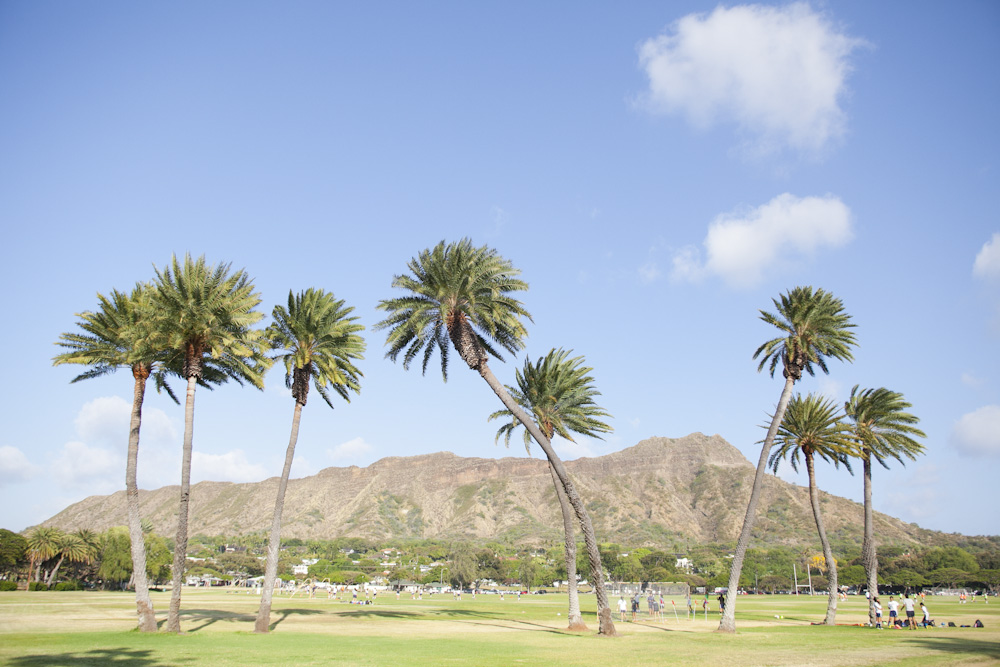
(8, 585)
(37, 586)
(67, 586)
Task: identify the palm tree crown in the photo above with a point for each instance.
(209, 315)
(815, 327)
(119, 334)
(882, 426)
(812, 426)
(559, 393)
(319, 340)
(460, 293)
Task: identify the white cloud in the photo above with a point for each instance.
(95, 469)
(355, 451)
(302, 467)
(232, 466)
(569, 450)
(987, 264)
(970, 380)
(15, 466)
(649, 272)
(778, 73)
(104, 419)
(978, 433)
(745, 246)
(917, 497)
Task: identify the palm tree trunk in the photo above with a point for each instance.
(143, 603)
(180, 544)
(868, 555)
(831, 565)
(52, 575)
(271, 569)
(606, 626)
(728, 622)
(575, 618)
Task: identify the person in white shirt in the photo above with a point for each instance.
(908, 603)
(893, 611)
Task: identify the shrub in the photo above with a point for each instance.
(8, 585)
(66, 586)
(37, 586)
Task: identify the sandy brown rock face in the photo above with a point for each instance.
(661, 492)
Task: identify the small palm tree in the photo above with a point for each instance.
(206, 315)
(814, 327)
(73, 548)
(462, 294)
(43, 544)
(883, 430)
(118, 335)
(559, 393)
(319, 342)
(813, 428)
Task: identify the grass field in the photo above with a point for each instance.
(95, 628)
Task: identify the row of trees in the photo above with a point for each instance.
(198, 322)
(874, 425)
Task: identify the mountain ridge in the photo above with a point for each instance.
(660, 492)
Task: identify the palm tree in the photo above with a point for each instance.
(319, 342)
(207, 315)
(814, 326)
(559, 394)
(463, 294)
(43, 544)
(118, 335)
(74, 549)
(883, 430)
(812, 428)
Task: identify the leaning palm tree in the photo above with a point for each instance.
(318, 340)
(813, 428)
(559, 393)
(74, 549)
(883, 430)
(206, 314)
(118, 335)
(462, 295)
(43, 544)
(814, 327)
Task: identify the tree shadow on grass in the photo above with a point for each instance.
(97, 658)
(282, 614)
(960, 646)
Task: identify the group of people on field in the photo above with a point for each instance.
(909, 606)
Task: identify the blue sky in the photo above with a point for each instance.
(658, 171)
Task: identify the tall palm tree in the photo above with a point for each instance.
(207, 315)
(883, 430)
(463, 295)
(814, 327)
(43, 544)
(813, 428)
(118, 335)
(559, 393)
(319, 341)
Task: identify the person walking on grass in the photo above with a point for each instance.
(622, 607)
(927, 615)
(910, 612)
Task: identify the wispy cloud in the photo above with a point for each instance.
(232, 466)
(977, 433)
(745, 246)
(987, 264)
(352, 452)
(777, 73)
(15, 466)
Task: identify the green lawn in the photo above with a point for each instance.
(94, 628)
